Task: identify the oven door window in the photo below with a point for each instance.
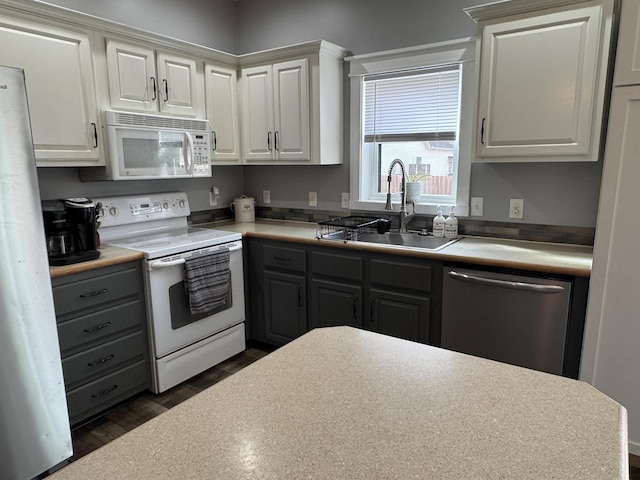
(179, 306)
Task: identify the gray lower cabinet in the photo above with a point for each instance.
(399, 315)
(400, 297)
(295, 288)
(285, 307)
(337, 290)
(277, 307)
(102, 332)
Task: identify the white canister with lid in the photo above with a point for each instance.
(244, 209)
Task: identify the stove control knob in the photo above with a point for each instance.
(181, 203)
(113, 211)
(165, 205)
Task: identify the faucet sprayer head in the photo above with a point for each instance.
(388, 205)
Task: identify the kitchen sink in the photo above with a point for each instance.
(408, 239)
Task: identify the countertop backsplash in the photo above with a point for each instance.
(466, 226)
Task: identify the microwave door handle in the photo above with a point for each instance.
(189, 156)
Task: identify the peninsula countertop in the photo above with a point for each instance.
(557, 258)
(346, 403)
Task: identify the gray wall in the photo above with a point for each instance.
(556, 194)
(206, 22)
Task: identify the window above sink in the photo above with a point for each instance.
(414, 104)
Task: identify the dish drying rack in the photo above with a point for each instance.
(347, 228)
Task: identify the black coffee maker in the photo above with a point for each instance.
(70, 230)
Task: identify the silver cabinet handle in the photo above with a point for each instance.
(531, 287)
(165, 84)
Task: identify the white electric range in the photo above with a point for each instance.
(182, 344)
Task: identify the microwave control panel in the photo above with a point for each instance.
(201, 156)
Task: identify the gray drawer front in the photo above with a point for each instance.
(96, 326)
(337, 265)
(291, 259)
(95, 291)
(106, 357)
(401, 276)
(96, 396)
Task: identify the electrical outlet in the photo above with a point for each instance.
(313, 199)
(516, 207)
(266, 196)
(345, 200)
(214, 193)
(477, 206)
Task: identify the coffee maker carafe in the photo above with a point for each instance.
(70, 228)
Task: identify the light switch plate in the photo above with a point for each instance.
(313, 199)
(266, 196)
(345, 200)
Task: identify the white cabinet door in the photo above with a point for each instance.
(222, 113)
(276, 112)
(180, 85)
(291, 110)
(132, 77)
(257, 114)
(627, 70)
(60, 90)
(144, 80)
(542, 86)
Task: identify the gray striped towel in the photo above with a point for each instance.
(207, 279)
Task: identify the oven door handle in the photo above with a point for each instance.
(162, 264)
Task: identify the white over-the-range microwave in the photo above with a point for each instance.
(142, 146)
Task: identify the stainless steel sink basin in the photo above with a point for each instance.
(413, 240)
(409, 240)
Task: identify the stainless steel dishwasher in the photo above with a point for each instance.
(514, 319)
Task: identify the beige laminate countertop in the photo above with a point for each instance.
(108, 256)
(343, 403)
(555, 258)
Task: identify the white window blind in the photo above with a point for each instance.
(416, 106)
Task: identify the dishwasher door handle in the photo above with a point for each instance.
(530, 287)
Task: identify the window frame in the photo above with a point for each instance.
(462, 52)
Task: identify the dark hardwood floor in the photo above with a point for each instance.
(146, 405)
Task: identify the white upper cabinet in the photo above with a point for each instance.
(276, 112)
(542, 80)
(292, 105)
(60, 88)
(222, 113)
(627, 71)
(144, 80)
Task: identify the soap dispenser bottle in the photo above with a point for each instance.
(438, 224)
(451, 225)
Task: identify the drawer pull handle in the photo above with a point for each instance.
(104, 392)
(94, 294)
(97, 327)
(282, 259)
(101, 360)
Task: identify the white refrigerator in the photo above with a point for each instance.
(34, 425)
